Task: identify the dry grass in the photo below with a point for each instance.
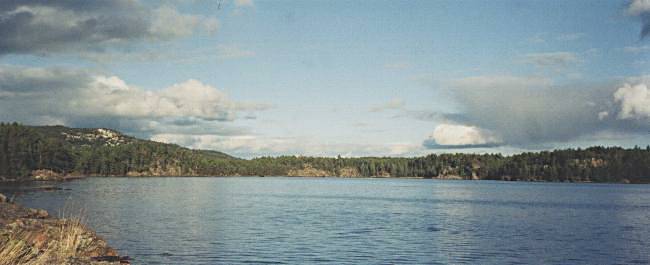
(15, 252)
(67, 245)
(44, 241)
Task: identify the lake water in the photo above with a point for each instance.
(282, 220)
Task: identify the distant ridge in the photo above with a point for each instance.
(58, 152)
(98, 137)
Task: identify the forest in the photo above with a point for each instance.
(103, 152)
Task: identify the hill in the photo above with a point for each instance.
(72, 151)
(29, 152)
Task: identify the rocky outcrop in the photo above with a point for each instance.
(106, 137)
(46, 174)
(349, 172)
(50, 175)
(450, 176)
(309, 171)
(32, 236)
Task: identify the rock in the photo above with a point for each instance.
(38, 213)
(309, 171)
(3, 198)
(46, 174)
(31, 236)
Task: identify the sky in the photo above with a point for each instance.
(323, 78)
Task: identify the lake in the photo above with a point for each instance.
(282, 220)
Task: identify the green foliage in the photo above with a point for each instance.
(26, 148)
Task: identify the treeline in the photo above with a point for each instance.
(26, 148)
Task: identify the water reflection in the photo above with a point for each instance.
(352, 221)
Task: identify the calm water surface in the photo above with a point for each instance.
(360, 221)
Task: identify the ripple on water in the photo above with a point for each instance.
(339, 221)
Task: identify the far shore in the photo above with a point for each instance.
(77, 177)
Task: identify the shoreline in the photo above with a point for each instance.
(80, 177)
(34, 236)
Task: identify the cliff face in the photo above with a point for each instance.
(309, 171)
(349, 172)
(31, 236)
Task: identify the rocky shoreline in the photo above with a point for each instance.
(32, 236)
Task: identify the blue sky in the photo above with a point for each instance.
(355, 78)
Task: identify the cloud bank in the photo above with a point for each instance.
(45, 27)
(531, 112)
(249, 145)
(85, 99)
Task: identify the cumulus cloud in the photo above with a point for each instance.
(81, 98)
(393, 104)
(641, 9)
(554, 60)
(531, 111)
(46, 27)
(461, 136)
(634, 100)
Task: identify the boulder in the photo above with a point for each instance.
(46, 174)
(36, 213)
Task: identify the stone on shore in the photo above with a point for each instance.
(32, 236)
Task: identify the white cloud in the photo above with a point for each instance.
(634, 101)
(454, 135)
(111, 96)
(638, 7)
(79, 98)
